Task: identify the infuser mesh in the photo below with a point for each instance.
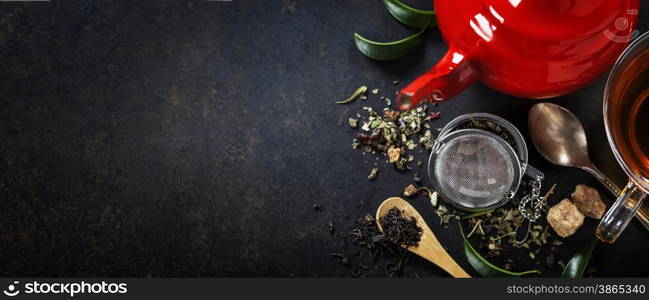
(474, 170)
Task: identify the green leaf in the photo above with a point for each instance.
(485, 268)
(361, 89)
(387, 51)
(578, 263)
(409, 16)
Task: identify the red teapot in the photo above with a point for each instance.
(525, 48)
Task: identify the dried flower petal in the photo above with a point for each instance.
(410, 190)
(432, 116)
(368, 139)
(394, 154)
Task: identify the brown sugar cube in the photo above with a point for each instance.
(565, 218)
(588, 201)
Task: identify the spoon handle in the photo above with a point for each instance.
(603, 179)
(431, 250)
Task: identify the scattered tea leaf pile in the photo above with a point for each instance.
(383, 246)
(376, 251)
(391, 133)
(495, 233)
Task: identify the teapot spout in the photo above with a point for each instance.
(450, 76)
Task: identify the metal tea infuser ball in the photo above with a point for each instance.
(474, 168)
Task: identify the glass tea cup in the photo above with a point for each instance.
(626, 118)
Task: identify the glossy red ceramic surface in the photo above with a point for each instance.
(525, 48)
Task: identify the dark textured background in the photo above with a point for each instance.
(191, 138)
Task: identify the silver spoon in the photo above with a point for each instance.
(560, 138)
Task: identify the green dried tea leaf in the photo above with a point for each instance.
(356, 144)
(433, 199)
(409, 16)
(577, 264)
(410, 144)
(353, 123)
(427, 140)
(389, 50)
(373, 174)
(485, 268)
(478, 214)
(358, 92)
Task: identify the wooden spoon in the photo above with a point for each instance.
(429, 247)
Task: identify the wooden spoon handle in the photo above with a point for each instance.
(437, 255)
(455, 270)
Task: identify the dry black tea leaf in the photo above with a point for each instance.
(400, 230)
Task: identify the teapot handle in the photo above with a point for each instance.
(450, 76)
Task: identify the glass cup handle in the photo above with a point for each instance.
(619, 215)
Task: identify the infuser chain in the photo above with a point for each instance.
(536, 201)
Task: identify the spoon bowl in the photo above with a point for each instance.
(429, 247)
(558, 135)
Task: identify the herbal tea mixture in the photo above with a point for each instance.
(498, 231)
(389, 133)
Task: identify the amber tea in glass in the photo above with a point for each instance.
(626, 117)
